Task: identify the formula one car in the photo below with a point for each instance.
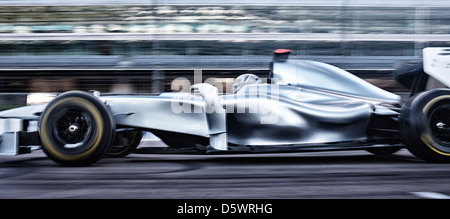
(303, 106)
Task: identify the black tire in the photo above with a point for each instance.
(383, 151)
(425, 125)
(125, 143)
(76, 129)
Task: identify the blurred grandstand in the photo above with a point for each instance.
(140, 46)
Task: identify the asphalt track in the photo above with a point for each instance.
(318, 175)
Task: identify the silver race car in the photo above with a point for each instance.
(302, 106)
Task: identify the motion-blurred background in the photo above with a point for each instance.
(141, 46)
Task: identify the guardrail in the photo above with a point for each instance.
(153, 74)
(180, 62)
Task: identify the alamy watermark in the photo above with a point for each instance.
(259, 100)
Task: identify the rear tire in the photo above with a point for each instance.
(76, 129)
(425, 125)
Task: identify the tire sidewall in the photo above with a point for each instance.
(99, 139)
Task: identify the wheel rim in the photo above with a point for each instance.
(72, 128)
(439, 123)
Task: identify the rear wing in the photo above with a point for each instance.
(436, 63)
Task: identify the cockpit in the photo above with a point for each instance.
(313, 75)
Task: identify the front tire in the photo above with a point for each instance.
(76, 129)
(425, 125)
